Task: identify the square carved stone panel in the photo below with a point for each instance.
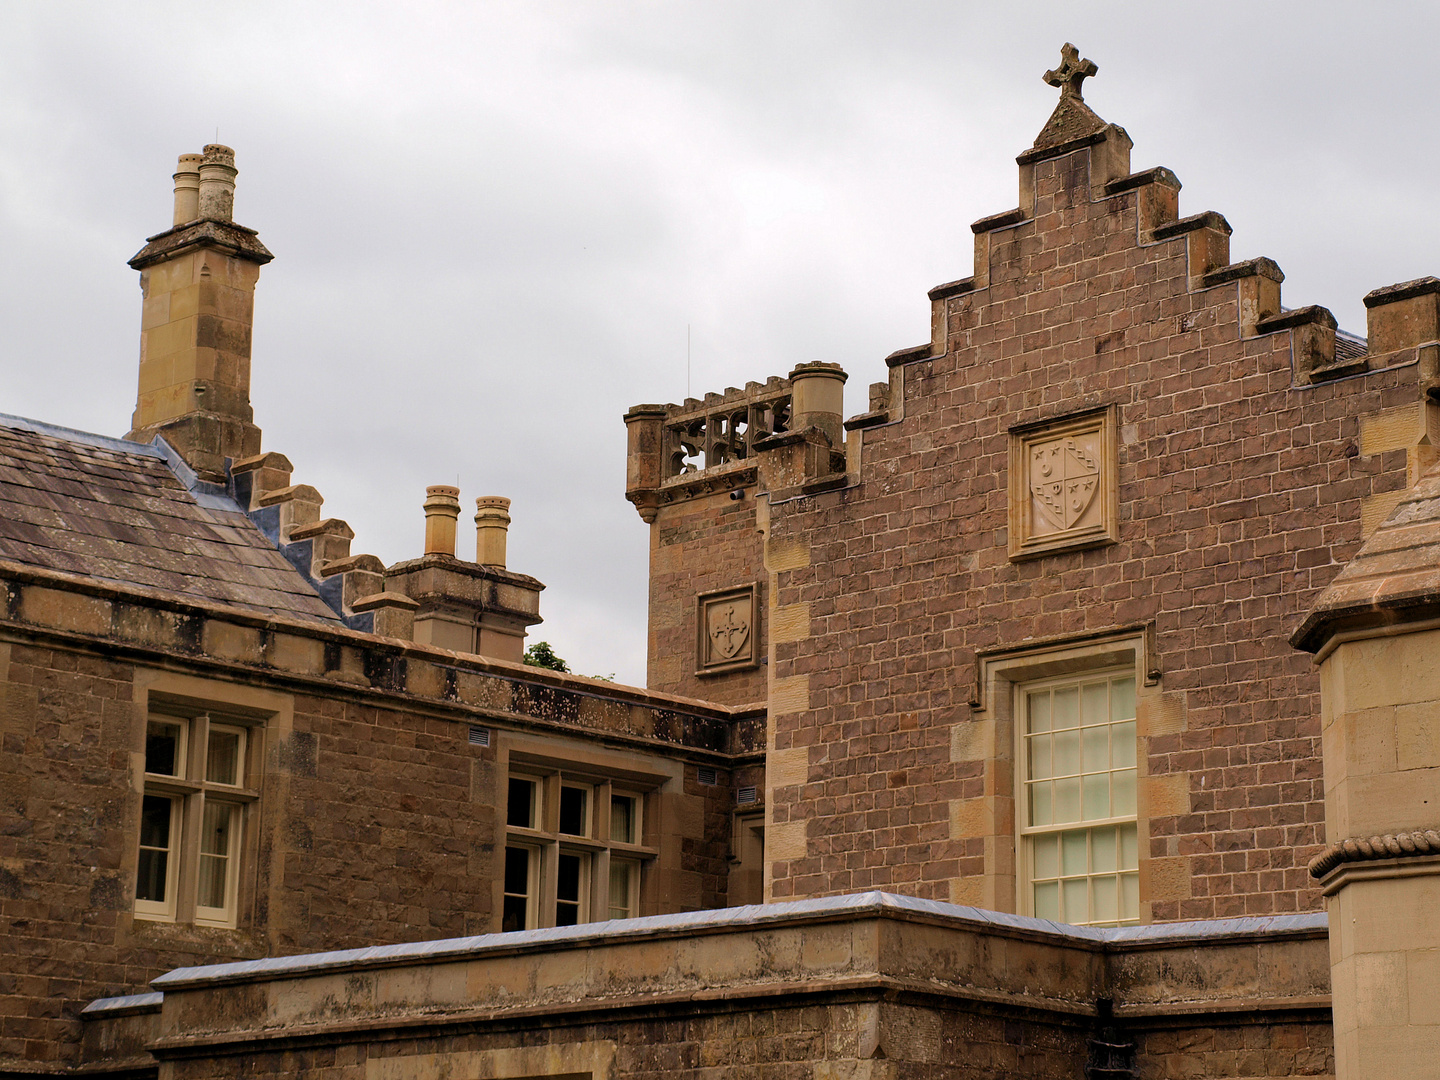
(728, 630)
(1063, 484)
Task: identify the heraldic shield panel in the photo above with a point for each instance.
(728, 625)
(1063, 484)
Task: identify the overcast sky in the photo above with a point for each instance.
(493, 223)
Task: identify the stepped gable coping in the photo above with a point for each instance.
(949, 289)
(1045, 153)
(908, 356)
(1158, 175)
(1293, 317)
(1260, 267)
(999, 221)
(1405, 290)
(720, 920)
(1206, 219)
(1393, 579)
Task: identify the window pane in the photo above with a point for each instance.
(1072, 853)
(1047, 856)
(1097, 795)
(1066, 757)
(1041, 810)
(1103, 906)
(1040, 757)
(621, 902)
(520, 804)
(512, 917)
(1124, 792)
(222, 758)
(1075, 900)
(1065, 708)
(1039, 710)
(517, 871)
(1130, 896)
(1067, 800)
(1095, 703)
(155, 819)
(573, 814)
(622, 819)
(162, 748)
(1095, 748)
(1129, 848)
(569, 889)
(1122, 699)
(215, 842)
(1122, 743)
(1047, 900)
(1102, 850)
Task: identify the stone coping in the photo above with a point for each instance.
(128, 1005)
(874, 904)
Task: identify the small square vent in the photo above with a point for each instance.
(480, 736)
(745, 796)
(707, 775)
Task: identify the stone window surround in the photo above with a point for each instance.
(1001, 673)
(601, 774)
(264, 716)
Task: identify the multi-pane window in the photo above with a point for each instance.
(1081, 847)
(192, 817)
(573, 851)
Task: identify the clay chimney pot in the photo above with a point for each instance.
(492, 520)
(442, 512)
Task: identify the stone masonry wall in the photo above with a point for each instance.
(377, 816)
(1242, 490)
(703, 544)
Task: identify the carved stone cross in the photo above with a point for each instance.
(1071, 73)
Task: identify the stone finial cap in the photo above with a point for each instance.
(1072, 119)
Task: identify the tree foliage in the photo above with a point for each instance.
(542, 655)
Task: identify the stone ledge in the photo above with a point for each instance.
(1208, 219)
(999, 221)
(1372, 848)
(1405, 290)
(1288, 320)
(951, 288)
(1158, 175)
(1261, 267)
(908, 356)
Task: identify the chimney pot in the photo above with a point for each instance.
(187, 188)
(492, 520)
(217, 183)
(442, 511)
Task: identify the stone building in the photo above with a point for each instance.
(977, 741)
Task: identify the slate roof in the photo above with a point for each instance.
(1395, 575)
(122, 513)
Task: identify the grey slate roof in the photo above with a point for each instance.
(118, 512)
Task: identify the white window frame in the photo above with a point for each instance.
(189, 789)
(1030, 834)
(594, 845)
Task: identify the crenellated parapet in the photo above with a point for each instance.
(717, 444)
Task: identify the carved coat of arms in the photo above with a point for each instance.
(1064, 478)
(729, 629)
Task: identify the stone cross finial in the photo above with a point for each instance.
(1071, 73)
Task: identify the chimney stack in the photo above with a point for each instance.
(492, 520)
(198, 283)
(187, 188)
(217, 183)
(442, 512)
